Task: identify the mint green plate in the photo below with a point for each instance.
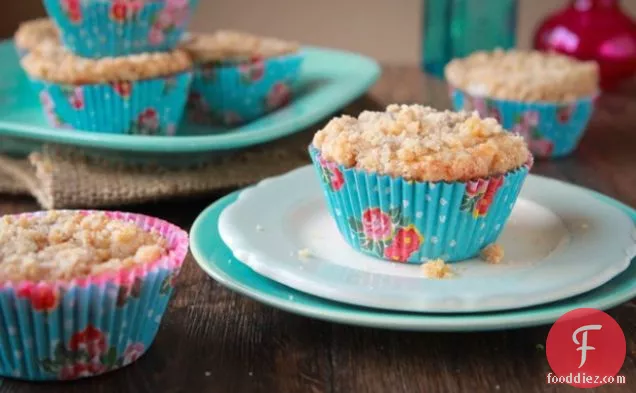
(329, 80)
(216, 259)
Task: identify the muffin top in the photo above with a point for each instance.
(524, 76)
(31, 33)
(422, 144)
(53, 63)
(70, 244)
(234, 46)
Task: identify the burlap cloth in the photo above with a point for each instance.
(62, 177)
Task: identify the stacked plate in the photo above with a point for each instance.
(275, 242)
(329, 80)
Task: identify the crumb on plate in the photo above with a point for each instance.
(437, 269)
(304, 253)
(493, 253)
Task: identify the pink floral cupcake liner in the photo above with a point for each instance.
(233, 94)
(101, 28)
(551, 129)
(412, 222)
(62, 330)
(143, 107)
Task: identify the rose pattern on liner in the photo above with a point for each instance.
(87, 354)
(197, 109)
(73, 10)
(479, 195)
(252, 70)
(43, 297)
(278, 96)
(74, 95)
(565, 112)
(331, 175)
(485, 108)
(526, 125)
(232, 118)
(49, 109)
(147, 123)
(122, 88)
(174, 15)
(387, 235)
(122, 11)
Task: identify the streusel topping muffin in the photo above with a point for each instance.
(524, 76)
(235, 46)
(422, 144)
(33, 32)
(53, 63)
(70, 244)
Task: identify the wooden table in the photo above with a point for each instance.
(213, 340)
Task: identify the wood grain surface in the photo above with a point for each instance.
(213, 340)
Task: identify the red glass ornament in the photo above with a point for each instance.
(593, 30)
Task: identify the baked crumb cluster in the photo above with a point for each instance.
(229, 45)
(67, 245)
(422, 144)
(524, 76)
(53, 63)
(492, 253)
(34, 32)
(437, 269)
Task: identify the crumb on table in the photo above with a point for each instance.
(493, 253)
(259, 228)
(437, 269)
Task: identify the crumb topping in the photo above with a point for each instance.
(422, 144)
(55, 64)
(437, 269)
(493, 253)
(33, 32)
(524, 75)
(235, 46)
(67, 245)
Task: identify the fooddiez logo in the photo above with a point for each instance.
(586, 348)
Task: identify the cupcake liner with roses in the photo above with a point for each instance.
(405, 221)
(110, 28)
(550, 129)
(233, 94)
(84, 327)
(145, 107)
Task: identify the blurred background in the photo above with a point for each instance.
(387, 30)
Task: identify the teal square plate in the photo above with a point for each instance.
(329, 80)
(216, 259)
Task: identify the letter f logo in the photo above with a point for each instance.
(583, 344)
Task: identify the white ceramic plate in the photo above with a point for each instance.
(559, 242)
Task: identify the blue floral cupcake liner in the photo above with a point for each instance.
(232, 94)
(144, 107)
(404, 221)
(551, 129)
(65, 330)
(111, 28)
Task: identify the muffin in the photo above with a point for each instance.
(138, 95)
(32, 33)
(546, 97)
(112, 28)
(413, 184)
(240, 77)
(82, 292)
